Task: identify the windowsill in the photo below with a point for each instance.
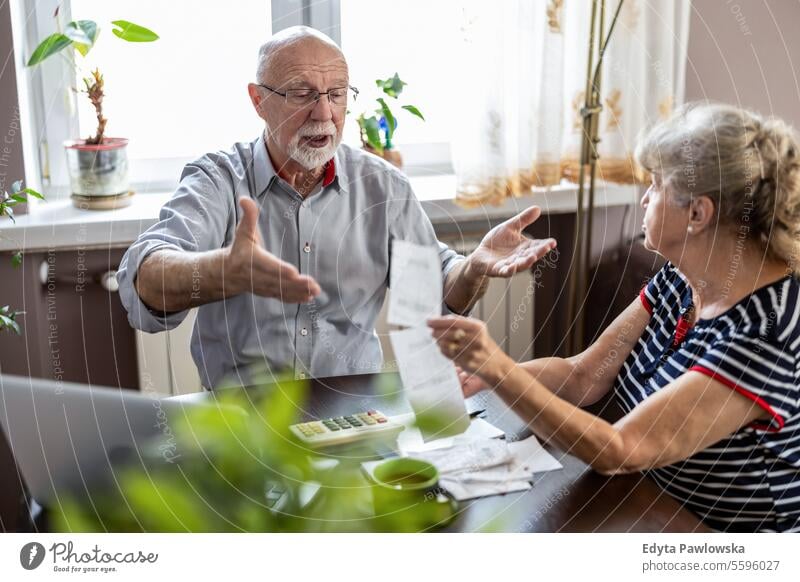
(59, 225)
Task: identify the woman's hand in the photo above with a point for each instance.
(470, 383)
(467, 342)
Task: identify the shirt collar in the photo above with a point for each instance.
(265, 173)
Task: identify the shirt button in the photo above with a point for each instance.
(304, 331)
(307, 248)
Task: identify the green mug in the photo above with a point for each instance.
(407, 498)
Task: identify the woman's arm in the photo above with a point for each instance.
(685, 417)
(585, 378)
(690, 414)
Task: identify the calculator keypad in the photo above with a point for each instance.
(324, 430)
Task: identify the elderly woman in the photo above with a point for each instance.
(706, 361)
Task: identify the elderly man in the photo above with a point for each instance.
(284, 242)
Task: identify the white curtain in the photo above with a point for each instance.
(525, 62)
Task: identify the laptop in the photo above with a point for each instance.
(67, 437)
(70, 437)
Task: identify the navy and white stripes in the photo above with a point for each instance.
(749, 481)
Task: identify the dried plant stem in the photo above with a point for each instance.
(94, 89)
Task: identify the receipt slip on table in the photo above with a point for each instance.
(574, 499)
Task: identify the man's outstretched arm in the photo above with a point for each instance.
(171, 280)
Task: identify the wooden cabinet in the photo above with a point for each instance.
(74, 328)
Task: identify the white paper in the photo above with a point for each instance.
(463, 490)
(525, 458)
(476, 464)
(430, 381)
(468, 458)
(411, 440)
(416, 284)
(529, 456)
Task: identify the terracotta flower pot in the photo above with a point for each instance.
(390, 155)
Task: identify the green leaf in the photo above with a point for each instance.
(83, 34)
(7, 322)
(32, 192)
(16, 259)
(414, 110)
(373, 133)
(76, 34)
(390, 120)
(133, 32)
(48, 47)
(90, 28)
(392, 86)
(165, 504)
(18, 198)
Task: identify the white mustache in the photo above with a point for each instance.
(313, 130)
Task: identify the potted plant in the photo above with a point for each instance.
(97, 165)
(378, 129)
(8, 200)
(211, 472)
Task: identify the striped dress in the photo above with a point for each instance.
(749, 481)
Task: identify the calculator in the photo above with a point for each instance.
(371, 425)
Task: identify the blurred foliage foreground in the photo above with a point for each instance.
(214, 475)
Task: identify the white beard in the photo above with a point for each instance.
(309, 157)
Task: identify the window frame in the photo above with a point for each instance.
(54, 119)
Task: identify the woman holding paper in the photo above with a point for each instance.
(706, 361)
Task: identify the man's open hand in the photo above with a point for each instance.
(249, 268)
(505, 250)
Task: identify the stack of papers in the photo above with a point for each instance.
(476, 463)
(489, 467)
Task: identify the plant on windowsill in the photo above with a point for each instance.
(98, 165)
(8, 200)
(378, 130)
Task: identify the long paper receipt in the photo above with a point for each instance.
(431, 383)
(416, 284)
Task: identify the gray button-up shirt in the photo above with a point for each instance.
(340, 235)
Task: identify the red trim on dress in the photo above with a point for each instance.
(681, 331)
(746, 393)
(645, 301)
(330, 173)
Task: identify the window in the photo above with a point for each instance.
(174, 99)
(419, 40)
(186, 94)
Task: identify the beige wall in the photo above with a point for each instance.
(746, 52)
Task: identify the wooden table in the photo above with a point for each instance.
(574, 499)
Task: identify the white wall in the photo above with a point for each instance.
(746, 52)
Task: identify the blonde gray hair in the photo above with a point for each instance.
(747, 164)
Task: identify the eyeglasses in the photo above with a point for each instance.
(305, 97)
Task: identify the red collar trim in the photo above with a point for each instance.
(330, 173)
(681, 331)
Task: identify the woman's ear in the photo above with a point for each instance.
(702, 213)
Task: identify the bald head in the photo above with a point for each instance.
(295, 41)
